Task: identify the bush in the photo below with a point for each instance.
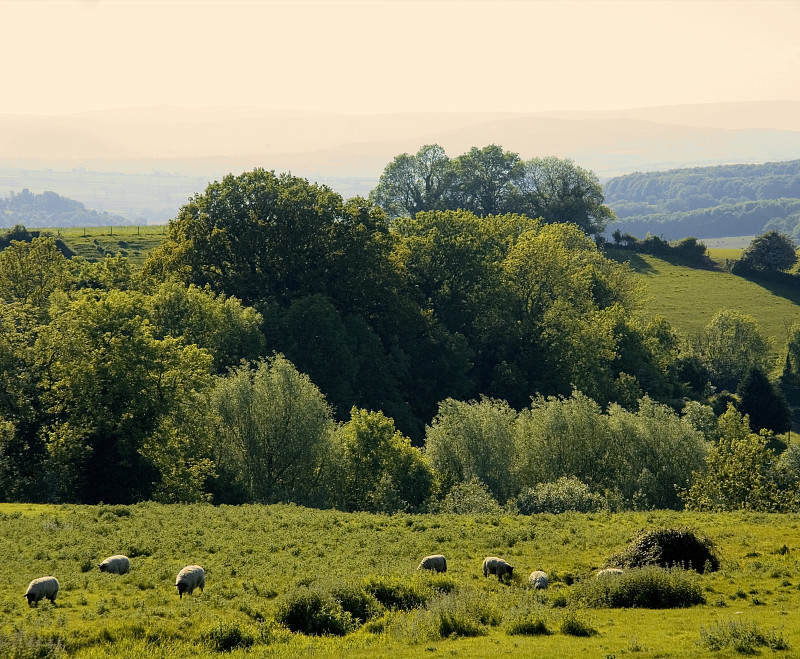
(668, 548)
(227, 636)
(359, 603)
(648, 588)
(464, 613)
(527, 624)
(399, 594)
(468, 498)
(567, 493)
(572, 625)
(313, 612)
(741, 636)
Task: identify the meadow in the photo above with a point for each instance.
(261, 559)
(92, 243)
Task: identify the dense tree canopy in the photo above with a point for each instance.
(770, 251)
(491, 181)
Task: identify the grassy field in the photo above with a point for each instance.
(688, 298)
(258, 558)
(95, 243)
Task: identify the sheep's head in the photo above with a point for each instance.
(31, 598)
(182, 588)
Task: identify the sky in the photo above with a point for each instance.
(376, 56)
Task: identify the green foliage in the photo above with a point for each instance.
(48, 209)
(527, 623)
(566, 493)
(227, 636)
(473, 440)
(358, 602)
(740, 472)
(744, 637)
(770, 251)
(470, 497)
(763, 403)
(274, 431)
(313, 612)
(648, 587)
(31, 271)
(668, 548)
(732, 344)
(463, 613)
(572, 624)
(381, 471)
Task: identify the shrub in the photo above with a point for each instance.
(227, 636)
(359, 603)
(468, 498)
(313, 612)
(527, 624)
(668, 547)
(571, 625)
(405, 594)
(741, 636)
(464, 613)
(567, 493)
(650, 588)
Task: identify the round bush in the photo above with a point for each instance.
(668, 548)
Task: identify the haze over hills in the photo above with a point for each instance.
(145, 162)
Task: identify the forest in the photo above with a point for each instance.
(283, 344)
(49, 209)
(708, 202)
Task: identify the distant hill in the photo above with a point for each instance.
(49, 209)
(145, 162)
(708, 202)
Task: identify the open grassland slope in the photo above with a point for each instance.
(260, 559)
(689, 297)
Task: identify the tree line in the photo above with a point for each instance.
(285, 344)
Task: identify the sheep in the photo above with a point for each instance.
(435, 562)
(609, 572)
(494, 565)
(189, 578)
(118, 564)
(538, 580)
(41, 588)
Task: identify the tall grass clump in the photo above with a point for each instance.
(740, 636)
(313, 612)
(571, 624)
(645, 588)
(227, 636)
(22, 645)
(668, 547)
(359, 603)
(404, 594)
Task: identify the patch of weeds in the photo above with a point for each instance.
(227, 636)
(22, 645)
(313, 612)
(572, 625)
(527, 624)
(359, 603)
(741, 636)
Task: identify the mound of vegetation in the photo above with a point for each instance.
(49, 209)
(647, 588)
(668, 547)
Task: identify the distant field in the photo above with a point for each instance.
(257, 556)
(95, 243)
(688, 298)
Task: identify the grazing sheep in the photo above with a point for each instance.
(41, 588)
(538, 580)
(609, 572)
(435, 562)
(189, 578)
(494, 565)
(118, 564)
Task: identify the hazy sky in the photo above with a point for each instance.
(385, 55)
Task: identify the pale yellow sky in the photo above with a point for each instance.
(395, 56)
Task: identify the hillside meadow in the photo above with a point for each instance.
(259, 558)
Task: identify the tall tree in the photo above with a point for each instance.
(731, 344)
(411, 184)
(770, 251)
(763, 403)
(557, 190)
(486, 180)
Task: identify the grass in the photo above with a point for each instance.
(688, 298)
(95, 243)
(358, 571)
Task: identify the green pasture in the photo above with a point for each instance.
(256, 557)
(95, 243)
(688, 297)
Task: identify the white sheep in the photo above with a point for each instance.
(494, 565)
(189, 578)
(41, 588)
(118, 564)
(609, 572)
(435, 562)
(538, 580)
